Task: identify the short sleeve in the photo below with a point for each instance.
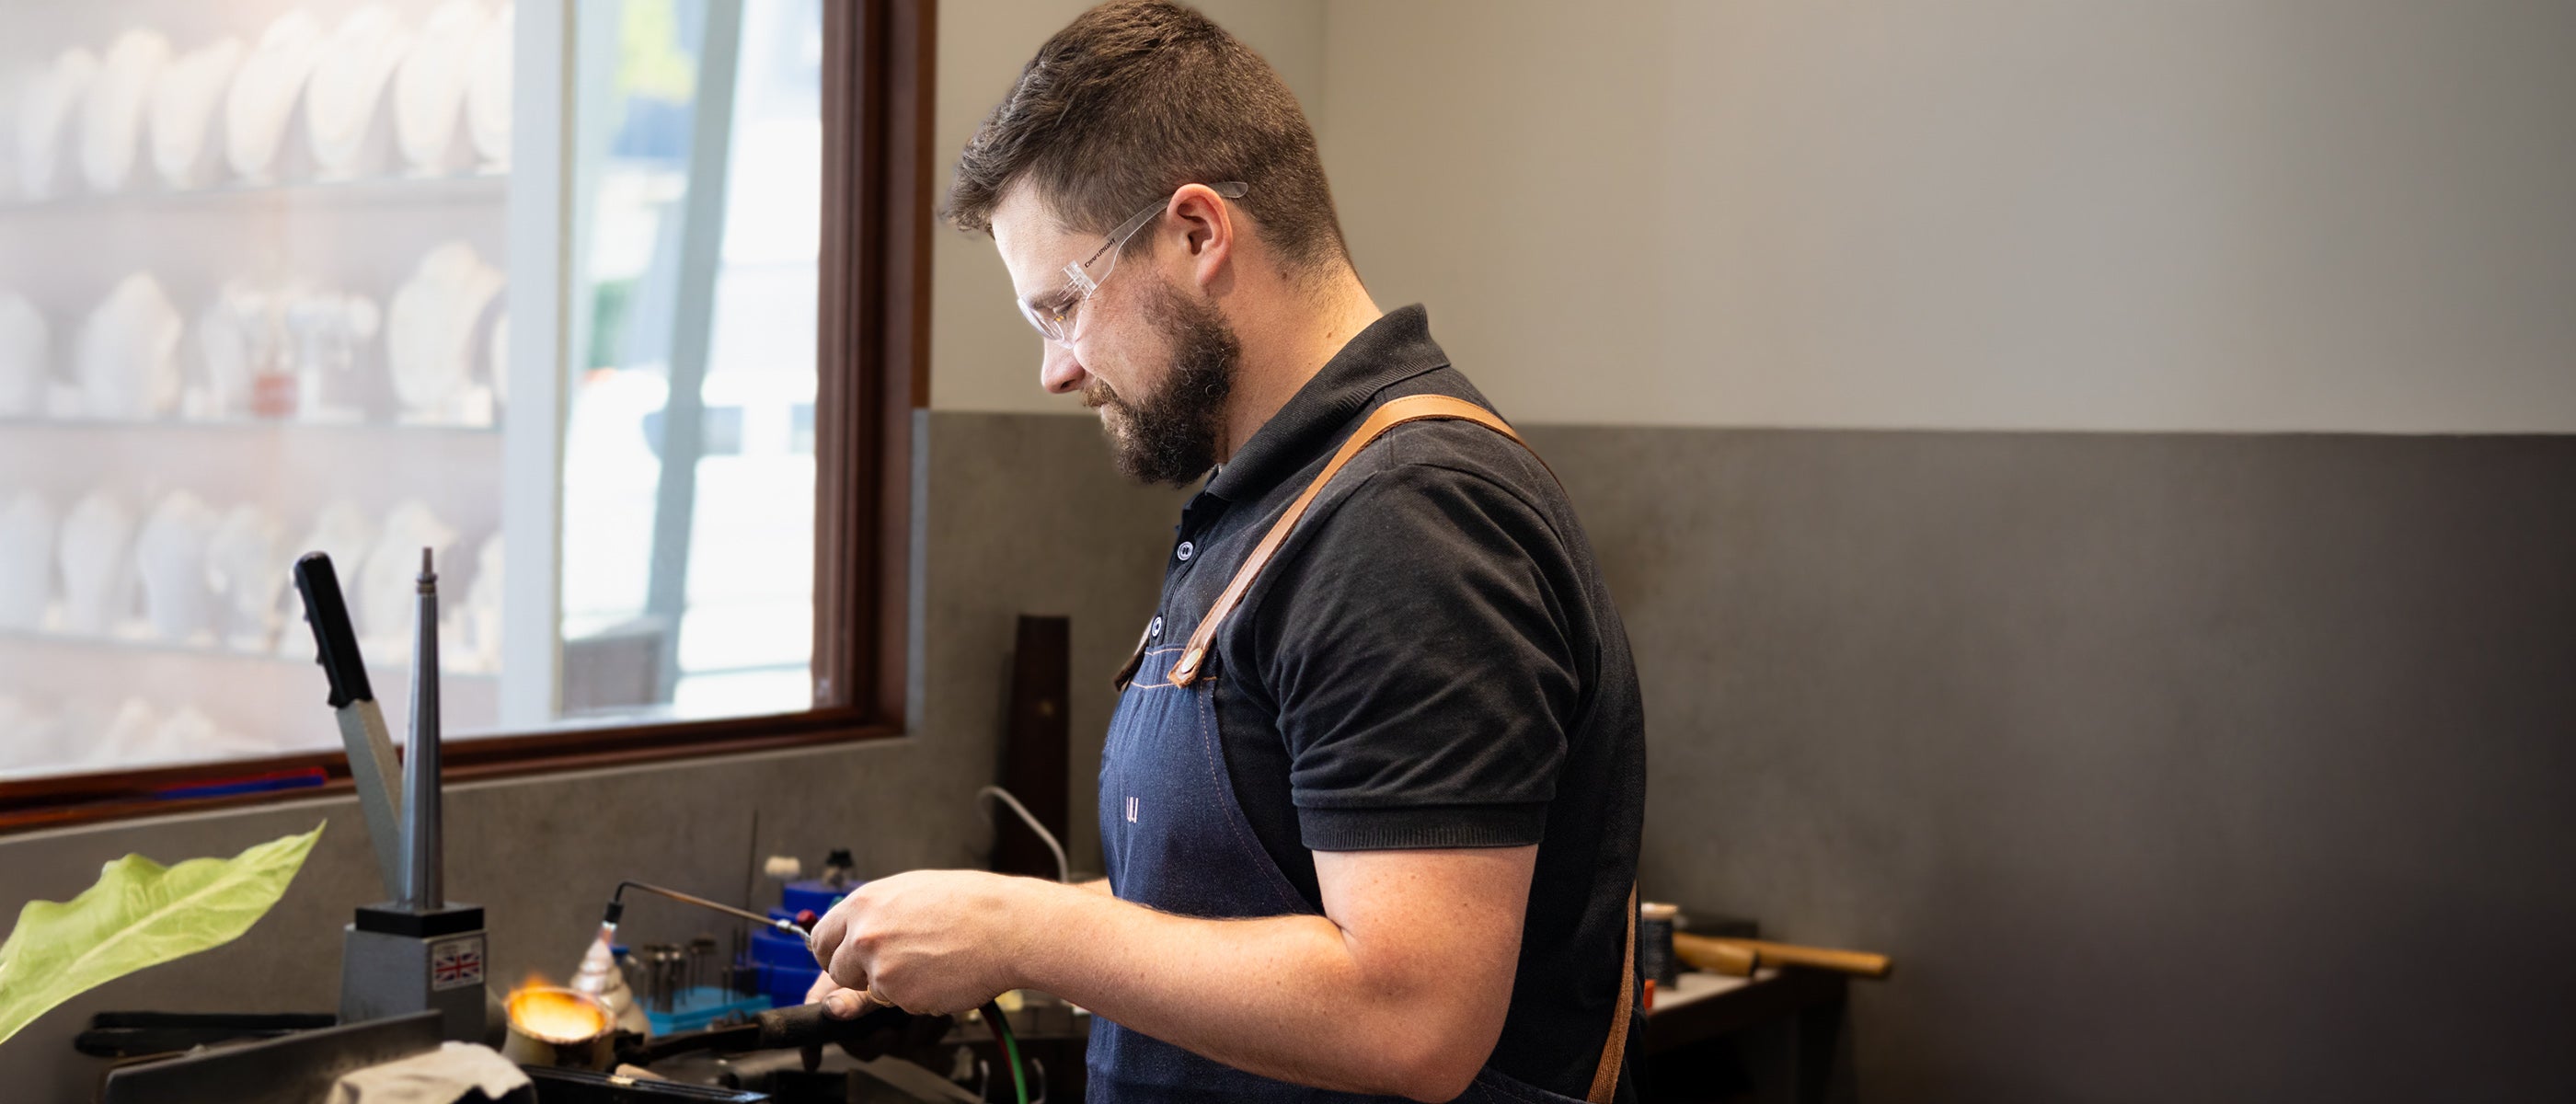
(1421, 665)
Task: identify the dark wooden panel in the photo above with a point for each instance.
(874, 369)
(1035, 745)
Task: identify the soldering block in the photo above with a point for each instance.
(395, 961)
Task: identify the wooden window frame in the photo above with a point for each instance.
(872, 373)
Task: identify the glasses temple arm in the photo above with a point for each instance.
(1232, 189)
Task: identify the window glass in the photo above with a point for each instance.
(258, 298)
(688, 538)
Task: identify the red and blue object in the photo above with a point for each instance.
(787, 969)
(300, 779)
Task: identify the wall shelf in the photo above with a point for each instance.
(244, 426)
(474, 187)
(39, 638)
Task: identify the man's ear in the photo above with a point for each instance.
(1207, 229)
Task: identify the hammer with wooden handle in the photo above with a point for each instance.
(1738, 957)
(1704, 953)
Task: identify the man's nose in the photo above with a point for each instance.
(1059, 371)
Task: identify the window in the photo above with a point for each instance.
(688, 505)
(612, 304)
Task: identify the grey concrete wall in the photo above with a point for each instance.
(2169, 767)
(2172, 767)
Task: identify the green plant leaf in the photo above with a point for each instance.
(139, 914)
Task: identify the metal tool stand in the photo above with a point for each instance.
(417, 952)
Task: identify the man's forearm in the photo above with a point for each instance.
(1289, 997)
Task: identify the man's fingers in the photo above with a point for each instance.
(826, 936)
(842, 1004)
(850, 967)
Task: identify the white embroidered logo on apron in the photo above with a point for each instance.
(1131, 810)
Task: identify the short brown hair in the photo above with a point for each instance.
(1134, 99)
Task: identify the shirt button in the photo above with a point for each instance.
(1155, 629)
(1187, 550)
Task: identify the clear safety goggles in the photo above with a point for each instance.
(1053, 314)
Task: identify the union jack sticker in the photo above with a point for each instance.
(456, 963)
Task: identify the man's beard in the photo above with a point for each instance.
(1170, 436)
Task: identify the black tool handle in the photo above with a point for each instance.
(335, 643)
(809, 1024)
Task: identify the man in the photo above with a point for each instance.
(1377, 833)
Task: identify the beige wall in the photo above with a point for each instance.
(982, 355)
(2311, 215)
(2296, 215)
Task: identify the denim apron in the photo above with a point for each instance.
(1174, 839)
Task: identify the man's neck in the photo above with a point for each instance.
(1282, 352)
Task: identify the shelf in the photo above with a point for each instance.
(148, 646)
(362, 191)
(245, 426)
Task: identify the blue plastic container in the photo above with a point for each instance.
(812, 894)
(787, 969)
(703, 1005)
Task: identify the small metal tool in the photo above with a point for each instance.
(802, 927)
(424, 833)
(702, 962)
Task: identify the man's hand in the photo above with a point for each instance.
(932, 942)
(838, 1001)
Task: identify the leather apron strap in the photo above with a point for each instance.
(1411, 408)
(1614, 1050)
(1396, 412)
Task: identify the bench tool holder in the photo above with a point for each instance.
(415, 951)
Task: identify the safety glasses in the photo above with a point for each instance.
(1053, 314)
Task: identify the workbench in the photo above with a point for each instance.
(1768, 1037)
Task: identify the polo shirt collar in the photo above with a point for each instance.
(1395, 348)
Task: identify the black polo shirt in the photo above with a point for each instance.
(1430, 661)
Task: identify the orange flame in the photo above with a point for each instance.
(558, 1016)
